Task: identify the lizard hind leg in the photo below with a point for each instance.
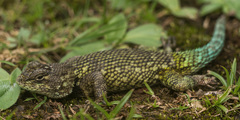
(178, 82)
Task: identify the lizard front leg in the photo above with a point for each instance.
(94, 83)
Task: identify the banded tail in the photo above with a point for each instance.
(192, 60)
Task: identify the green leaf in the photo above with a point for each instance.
(122, 4)
(12, 41)
(175, 8)
(206, 9)
(84, 49)
(15, 73)
(172, 5)
(38, 38)
(9, 90)
(4, 74)
(188, 12)
(23, 34)
(85, 20)
(4, 81)
(4, 86)
(147, 35)
(119, 22)
(95, 33)
(9, 97)
(238, 13)
(86, 36)
(226, 6)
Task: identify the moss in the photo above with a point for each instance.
(188, 36)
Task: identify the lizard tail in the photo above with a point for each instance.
(216, 44)
(193, 60)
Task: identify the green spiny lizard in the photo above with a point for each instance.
(121, 69)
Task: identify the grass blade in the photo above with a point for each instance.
(222, 80)
(236, 106)
(106, 101)
(225, 97)
(150, 91)
(82, 115)
(207, 102)
(233, 72)
(62, 113)
(238, 82)
(237, 87)
(120, 105)
(40, 104)
(223, 108)
(227, 75)
(131, 113)
(100, 108)
(6, 62)
(83, 35)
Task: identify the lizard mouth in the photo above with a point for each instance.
(25, 84)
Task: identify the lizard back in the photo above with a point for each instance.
(124, 68)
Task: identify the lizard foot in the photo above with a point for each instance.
(168, 43)
(204, 80)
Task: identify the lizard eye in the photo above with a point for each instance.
(40, 77)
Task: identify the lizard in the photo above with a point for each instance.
(122, 69)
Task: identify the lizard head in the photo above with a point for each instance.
(53, 80)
